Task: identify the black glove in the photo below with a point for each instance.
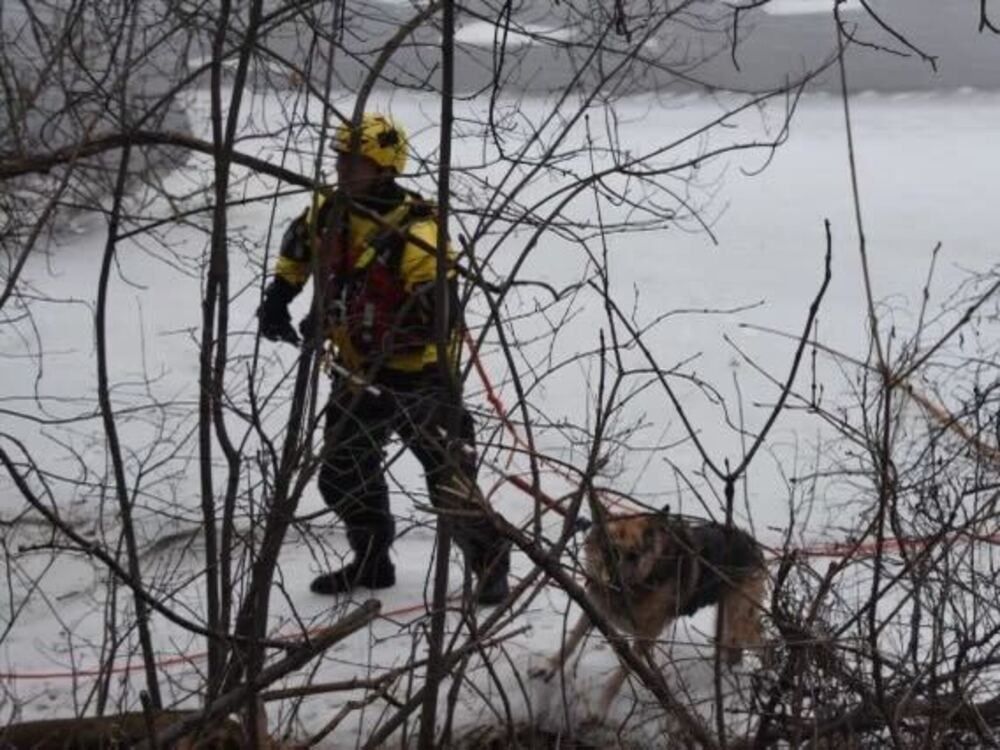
(307, 326)
(274, 321)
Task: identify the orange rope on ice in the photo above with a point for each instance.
(889, 544)
(171, 661)
(830, 549)
(501, 411)
(190, 659)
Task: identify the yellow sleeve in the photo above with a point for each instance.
(295, 272)
(294, 262)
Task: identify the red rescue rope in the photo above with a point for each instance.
(171, 661)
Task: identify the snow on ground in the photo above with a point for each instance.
(483, 33)
(796, 7)
(927, 164)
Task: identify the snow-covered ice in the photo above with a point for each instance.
(927, 171)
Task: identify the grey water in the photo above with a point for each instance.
(902, 45)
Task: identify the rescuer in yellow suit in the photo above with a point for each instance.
(381, 267)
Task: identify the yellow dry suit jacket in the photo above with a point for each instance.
(373, 255)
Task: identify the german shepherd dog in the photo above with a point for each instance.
(645, 570)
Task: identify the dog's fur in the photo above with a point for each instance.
(645, 570)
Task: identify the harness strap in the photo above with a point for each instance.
(379, 244)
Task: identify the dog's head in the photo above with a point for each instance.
(634, 546)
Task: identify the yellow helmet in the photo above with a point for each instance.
(381, 140)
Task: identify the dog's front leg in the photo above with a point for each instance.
(643, 652)
(556, 662)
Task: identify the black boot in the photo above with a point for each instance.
(378, 575)
(371, 567)
(492, 586)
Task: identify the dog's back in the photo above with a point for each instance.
(726, 558)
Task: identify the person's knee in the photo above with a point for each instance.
(331, 486)
(481, 544)
(348, 491)
(442, 462)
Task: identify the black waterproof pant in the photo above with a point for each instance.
(419, 408)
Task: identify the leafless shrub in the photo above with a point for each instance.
(121, 482)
